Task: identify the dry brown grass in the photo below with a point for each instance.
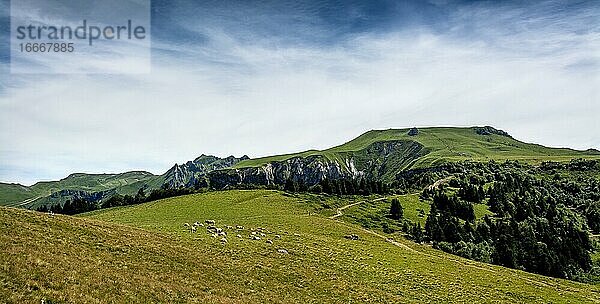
(105, 258)
(66, 259)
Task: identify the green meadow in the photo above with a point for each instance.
(443, 144)
(143, 253)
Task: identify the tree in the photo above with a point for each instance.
(114, 201)
(140, 197)
(396, 210)
(289, 185)
(416, 233)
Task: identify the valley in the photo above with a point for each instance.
(143, 253)
(318, 225)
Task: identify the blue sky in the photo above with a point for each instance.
(270, 77)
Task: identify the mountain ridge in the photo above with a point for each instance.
(375, 154)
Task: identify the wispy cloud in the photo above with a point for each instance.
(215, 88)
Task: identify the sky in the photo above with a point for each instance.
(259, 78)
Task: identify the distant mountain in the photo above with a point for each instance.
(382, 154)
(96, 187)
(188, 174)
(377, 154)
(84, 184)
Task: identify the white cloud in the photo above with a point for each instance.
(262, 98)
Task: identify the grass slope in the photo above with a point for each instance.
(12, 193)
(373, 213)
(439, 145)
(445, 144)
(15, 194)
(106, 257)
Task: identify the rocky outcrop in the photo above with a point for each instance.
(88, 196)
(378, 161)
(487, 130)
(308, 170)
(188, 174)
(381, 160)
(60, 197)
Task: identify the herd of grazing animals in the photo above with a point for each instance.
(214, 231)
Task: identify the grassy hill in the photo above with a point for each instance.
(15, 194)
(142, 253)
(443, 144)
(430, 147)
(12, 193)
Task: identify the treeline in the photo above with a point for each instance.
(541, 220)
(80, 205)
(70, 207)
(358, 186)
(542, 215)
(141, 197)
(343, 186)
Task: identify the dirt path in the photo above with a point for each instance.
(466, 263)
(25, 202)
(393, 242)
(339, 210)
(438, 183)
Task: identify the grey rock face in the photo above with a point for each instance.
(487, 130)
(186, 175)
(310, 171)
(60, 197)
(380, 160)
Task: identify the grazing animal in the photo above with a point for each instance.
(256, 238)
(196, 224)
(283, 251)
(210, 222)
(253, 232)
(228, 227)
(269, 242)
(239, 227)
(239, 236)
(295, 234)
(277, 236)
(223, 240)
(193, 229)
(186, 225)
(222, 233)
(262, 234)
(353, 237)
